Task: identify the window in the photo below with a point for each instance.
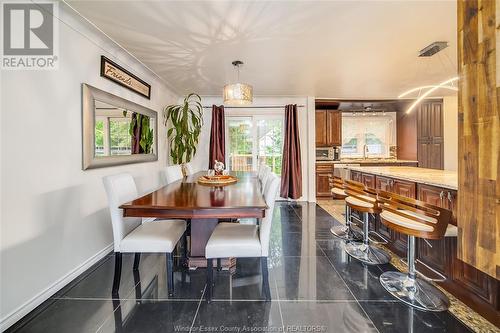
(112, 136)
(254, 140)
(120, 138)
(375, 133)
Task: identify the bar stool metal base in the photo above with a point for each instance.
(345, 233)
(367, 254)
(417, 293)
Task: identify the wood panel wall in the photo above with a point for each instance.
(479, 135)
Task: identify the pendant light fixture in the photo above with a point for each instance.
(425, 90)
(238, 93)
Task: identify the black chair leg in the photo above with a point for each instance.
(210, 265)
(118, 273)
(170, 274)
(137, 260)
(265, 278)
(219, 265)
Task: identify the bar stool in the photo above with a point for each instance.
(343, 232)
(364, 200)
(415, 219)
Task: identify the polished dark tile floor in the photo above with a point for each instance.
(315, 287)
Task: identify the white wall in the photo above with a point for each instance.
(201, 158)
(54, 216)
(450, 127)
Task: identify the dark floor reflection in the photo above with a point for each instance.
(315, 286)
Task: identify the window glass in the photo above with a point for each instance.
(120, 138)
(240, 143)
(99, 137)
(368, 135)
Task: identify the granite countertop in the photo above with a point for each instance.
(441, 178)
(366, 161)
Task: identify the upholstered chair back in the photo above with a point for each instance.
(120, 189)
(270, 194)
(190, 168)
(265, 178)
(263, 171)
(260, 170)
(172, 173)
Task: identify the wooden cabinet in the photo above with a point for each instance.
(404, 188)
(435, 253)
(383, 183)
(356, 176)
(475, 288)
(328, 128)
(321, 128)
(483, 287)
(430, 135)
(323, 172)
(368, 180)
(440, 197)
(334, 128)
(466, 281)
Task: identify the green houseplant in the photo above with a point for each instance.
(184, 122)
(140, 123)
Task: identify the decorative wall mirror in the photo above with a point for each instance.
(116, 131)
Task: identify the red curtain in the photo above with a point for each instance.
(136, 137)
(217, 149)
(291, 169)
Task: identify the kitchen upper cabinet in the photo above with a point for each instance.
(328, 128)
(321, 128)
(430, 148)
(334, 130)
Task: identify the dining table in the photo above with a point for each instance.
(203, 206)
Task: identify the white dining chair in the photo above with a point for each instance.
(132, 236)
(172, 173)
(234, 240)
(265, 178)
(190, 169)
(263, 171)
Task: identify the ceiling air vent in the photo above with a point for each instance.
(432, 49)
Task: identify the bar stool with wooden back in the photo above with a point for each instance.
(364, 200)
(415, 219)
(343, 232)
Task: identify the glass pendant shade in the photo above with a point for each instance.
(238, 94)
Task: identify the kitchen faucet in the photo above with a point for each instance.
(365, 151)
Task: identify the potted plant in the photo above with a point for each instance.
(184, 122)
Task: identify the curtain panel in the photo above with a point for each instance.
(217, 148)
(291, 170)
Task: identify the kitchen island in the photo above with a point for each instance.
(437, 187)
(442, 178)
(325, 169)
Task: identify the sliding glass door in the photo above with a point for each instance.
(252, 140)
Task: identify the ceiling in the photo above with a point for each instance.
(334, 49)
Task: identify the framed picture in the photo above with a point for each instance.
(120, 75)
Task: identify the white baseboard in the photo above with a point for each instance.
(44, 295)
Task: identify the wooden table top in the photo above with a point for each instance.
(186, 198)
